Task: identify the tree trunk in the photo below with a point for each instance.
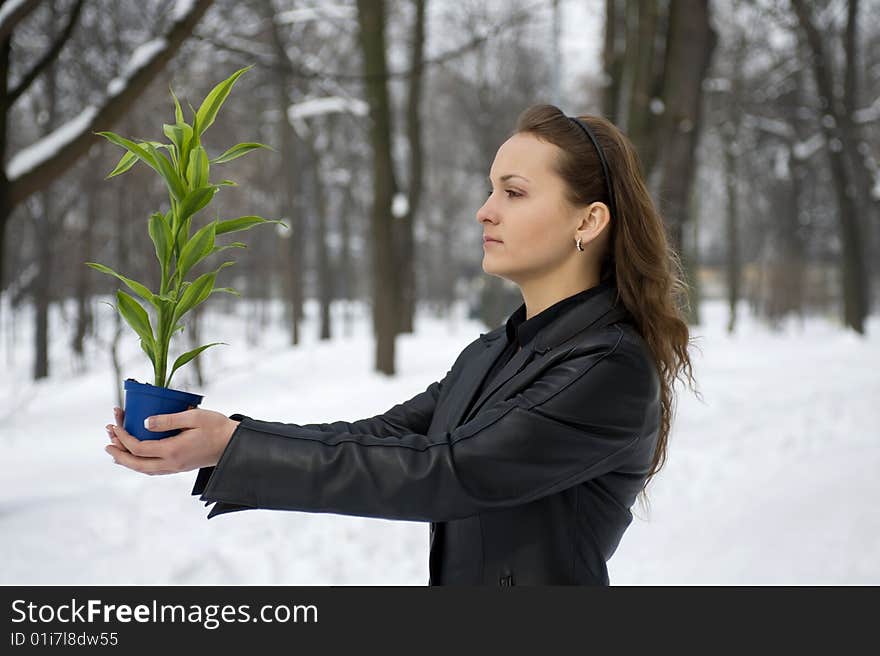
(691, 42)
(289, 179)
(83, 292)
(5, 201)
(854, 284)
(42, 285)
(347, 278)
(612, 62)
(371, 33)
(733, 261)
(408, 292)
(195, 323)
(640, 120)
(325, 273)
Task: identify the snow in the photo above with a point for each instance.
(9, 8)
(780, 164)
(868, 114)
(770, 125)
(326, 105)
(44, 149)
(770, 480)
(182, 8)
(806, 148)
(141, 56)
(297, 113)
(399, 205)
(323, 12)
(30, 157)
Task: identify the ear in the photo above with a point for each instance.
(593, 221)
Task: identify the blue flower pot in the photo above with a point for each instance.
(143, 400)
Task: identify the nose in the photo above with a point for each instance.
(485, 213)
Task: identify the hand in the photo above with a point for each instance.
(204, 436)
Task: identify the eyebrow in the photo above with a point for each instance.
(507, 176)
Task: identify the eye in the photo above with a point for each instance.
(509, 191)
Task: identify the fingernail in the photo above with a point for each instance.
(147, 423)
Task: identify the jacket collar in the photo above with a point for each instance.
(596, 311)
(603, 308)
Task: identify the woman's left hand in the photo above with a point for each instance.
(200, 443)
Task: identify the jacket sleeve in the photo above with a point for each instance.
(412, 416)
(582, 418)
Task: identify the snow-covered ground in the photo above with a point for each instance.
(770, 480)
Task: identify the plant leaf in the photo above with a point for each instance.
(195, 201)
(242, 223)
(214, 100)
(175, 133)
(228, 290)
(133, 285)
(196, 249)
(235, 244)
(186, 146)
(227, 183)
(238, 150)
(178, 113)
(160, 233)
(140, 152)
(197, 171)
(189, 355)
(197, 292)
(148, 349)
(136, 316)
(128, 160)
(166, 170)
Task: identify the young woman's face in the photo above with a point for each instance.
(535, 227)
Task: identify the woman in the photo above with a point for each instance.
(527, 456)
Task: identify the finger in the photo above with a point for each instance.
(114, 440)
(119, 445)
(142, 448)
(142, 465)
(159, 423)
(119, 415)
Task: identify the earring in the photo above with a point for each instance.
(580, 246)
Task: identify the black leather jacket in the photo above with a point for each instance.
(531, 486)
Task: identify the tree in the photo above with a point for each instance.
(371, 35)
(34, 168)
(656, 62)
(843, 156)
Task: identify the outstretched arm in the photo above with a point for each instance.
(584, 417)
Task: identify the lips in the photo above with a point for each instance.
(486, 238)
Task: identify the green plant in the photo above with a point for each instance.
(186, 176)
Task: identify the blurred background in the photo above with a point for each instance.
(758, 126)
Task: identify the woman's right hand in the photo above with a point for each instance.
(119, 415)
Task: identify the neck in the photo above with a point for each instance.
(538, 295)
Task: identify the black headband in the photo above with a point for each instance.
(602, 161)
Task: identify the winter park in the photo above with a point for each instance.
(297, 215)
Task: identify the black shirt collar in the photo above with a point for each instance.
(523, 331)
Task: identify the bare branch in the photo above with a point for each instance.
(38, 165)
(12, 13)
(50, 56)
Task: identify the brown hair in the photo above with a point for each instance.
(639, 259)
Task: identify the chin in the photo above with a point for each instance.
(493, 269)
